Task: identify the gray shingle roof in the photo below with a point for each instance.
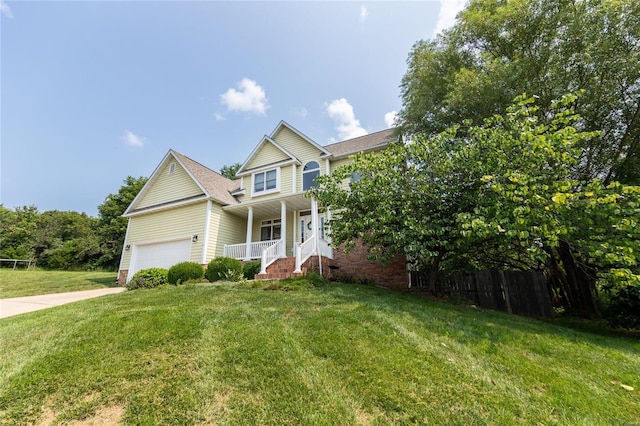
(218, 186)
(362, 143)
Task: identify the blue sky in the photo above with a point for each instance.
(92, 92)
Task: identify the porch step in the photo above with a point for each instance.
(284, 267)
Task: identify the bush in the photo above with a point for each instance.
(185, 271)
(624, 307)
(251, 269)
(148, 278)
(223, 268)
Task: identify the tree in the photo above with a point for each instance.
(112, 226)
(497, 194)
(499, 49)
(229, 171)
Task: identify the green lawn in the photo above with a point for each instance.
(340, 354)
(30, 283)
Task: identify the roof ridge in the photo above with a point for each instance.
(202, 165)
(363, 136)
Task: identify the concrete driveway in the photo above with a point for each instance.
(21, 305)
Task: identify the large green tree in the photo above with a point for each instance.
(112, 226)
(496, 194)
(499, 49)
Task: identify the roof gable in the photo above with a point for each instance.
(186, 180)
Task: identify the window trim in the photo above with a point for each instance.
(271, 224)
(172, 168)
(313, 184)
(265, 191)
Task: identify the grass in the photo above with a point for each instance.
(338, 354)
(34, 282)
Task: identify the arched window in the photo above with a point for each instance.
(309, 173)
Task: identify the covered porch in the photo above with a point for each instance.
(284, 227)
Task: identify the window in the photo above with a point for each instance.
(172, 168)
(270, 230)
(309, 173)
(265, 181)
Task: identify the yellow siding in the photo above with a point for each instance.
(268, 154)
(166, 188)
(300, 148)
(224, 228)
(174, 224)
(338, 163)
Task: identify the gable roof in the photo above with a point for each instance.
(363, 143)
(270, 139)
(299, 133)
(266, 140)
(213, 184)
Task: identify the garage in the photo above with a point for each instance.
(160, 255)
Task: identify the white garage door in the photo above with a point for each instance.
(162, 255)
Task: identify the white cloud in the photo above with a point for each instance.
(250, 98)
(132, 139)
(390, 118)
(302, 112)
(363, 13)
(447, 16)
(341, 112)
(6, 10)
(219, 117)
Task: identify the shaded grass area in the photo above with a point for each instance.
(338, 354)
(35, 282)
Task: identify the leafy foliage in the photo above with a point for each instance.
(112, 226)
(185, 271)
(148, 278)
(497, 194)
(547, 48)
(229, 171)
(624, 306)
(223, 268)
(250, 269)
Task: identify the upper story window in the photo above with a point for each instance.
(172, 168)
(264, 182)
(310, 171)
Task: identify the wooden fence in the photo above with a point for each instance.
(518, 292)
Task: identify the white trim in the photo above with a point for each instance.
(283, 226)
(299, 133)
(318, 169)
(266, 139)
(207, 225)
(249, 232)
(124, 244)
(327, 167)
(172, 168)
(265, 191)
(294, 179)
(167, 206)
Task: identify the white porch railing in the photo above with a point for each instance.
(307, 249)
(239, 251)
(270, 254)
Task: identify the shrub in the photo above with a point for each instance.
(223, 267)
(148, 278)
(624, 307)
(185, 271)
(251, 269)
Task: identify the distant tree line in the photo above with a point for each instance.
(68, 239)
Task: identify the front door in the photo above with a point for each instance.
(305, 225)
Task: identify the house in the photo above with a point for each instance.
(188, 212)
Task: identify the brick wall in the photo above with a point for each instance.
(355, 264)
(122, 277)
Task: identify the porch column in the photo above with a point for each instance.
(314, 224)
(247, 255)
(283, 227)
